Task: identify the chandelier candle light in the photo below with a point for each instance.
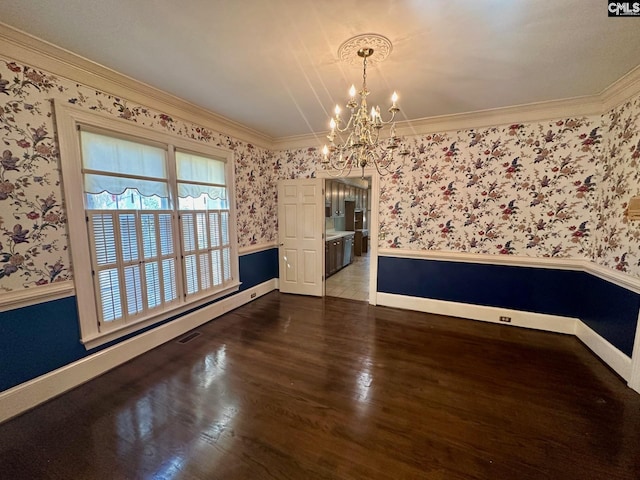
(357, 142)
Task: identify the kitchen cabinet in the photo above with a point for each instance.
(333, 252)
(349, 215)
(327, 198)
(337, 196)
(338, 254)
(353, 217)
(341, 194)
(358, 220)
(361, 244)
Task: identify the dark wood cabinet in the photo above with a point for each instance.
(327, 259)
(338, 253)
(337, 198)
(358, 220)
(361, 244)
(349, 215)
(333, 256)
(327, 198)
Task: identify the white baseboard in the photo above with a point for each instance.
(27, 395)
(538, 321)
(609, 354)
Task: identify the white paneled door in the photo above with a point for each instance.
(300, 227)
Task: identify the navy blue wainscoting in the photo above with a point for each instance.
(258, 267)
(40, 338)
(37, 339)
(611, 311)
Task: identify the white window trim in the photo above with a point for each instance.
(68, 120)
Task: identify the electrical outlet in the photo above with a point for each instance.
(253, 295)
(505, 319)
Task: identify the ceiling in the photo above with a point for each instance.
(272, 65)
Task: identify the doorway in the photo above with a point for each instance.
(348, 214)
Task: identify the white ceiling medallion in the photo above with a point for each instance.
(348, 51)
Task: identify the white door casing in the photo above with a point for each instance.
(373, 222)
(301, 242)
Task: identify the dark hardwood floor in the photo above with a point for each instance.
(291, 387)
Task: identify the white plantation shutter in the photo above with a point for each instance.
(159, 257)
(134, 262)
(147, 264)
(206, 250)
(226, 248)
(105, 266)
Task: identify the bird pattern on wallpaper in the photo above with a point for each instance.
(33, 233)
(515, 189)
(521, 189)
(545, 189)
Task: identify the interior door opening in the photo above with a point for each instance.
(347, 237)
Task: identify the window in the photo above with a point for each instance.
(204, 217)
(152, 224)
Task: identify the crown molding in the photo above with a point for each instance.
(530, 112)
(26, 48)
(615, 94)
(526, 113)
(31, 50)
(621, 90)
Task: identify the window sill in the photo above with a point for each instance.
(116, 333)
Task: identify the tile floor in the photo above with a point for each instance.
(352, 281)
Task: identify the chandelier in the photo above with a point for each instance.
(356, 142)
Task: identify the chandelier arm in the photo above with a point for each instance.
(356, 142)
(346, 127)
(393, 116)
(373, 140)
(383, 167)
(385, 161)
(339, 167)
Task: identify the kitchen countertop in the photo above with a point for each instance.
(334, 235)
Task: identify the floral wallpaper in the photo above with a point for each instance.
(616, 240)
(546, 189)
(522, 189)
(33, 235)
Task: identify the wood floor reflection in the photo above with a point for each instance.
(292, 387)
